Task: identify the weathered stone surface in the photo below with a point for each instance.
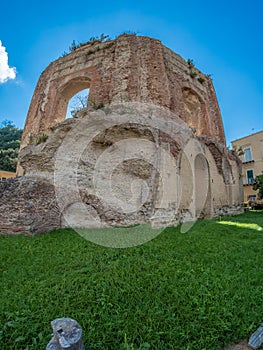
(67, 334)
(256, 339)
(130, 68)
(28, 205)
(159, 159)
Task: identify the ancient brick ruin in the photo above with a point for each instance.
(160, 122)
(127, 69)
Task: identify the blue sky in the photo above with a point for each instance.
(224, 39)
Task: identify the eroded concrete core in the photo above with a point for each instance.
(155, 153)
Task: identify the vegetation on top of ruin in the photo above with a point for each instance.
(127, 32)
(190, 62)
(192, 72)
(93, 40)
(201, 80)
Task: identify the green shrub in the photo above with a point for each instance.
(42, 138)
(201, 80)
(190, 62)
(192, 74)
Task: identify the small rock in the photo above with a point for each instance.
(256, 339)
(67, 334)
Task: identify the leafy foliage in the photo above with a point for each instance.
(258, 185)
(10, 137)
(198, 290)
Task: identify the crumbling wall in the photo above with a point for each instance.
(129, 68)
(155, 153)
(28, 205)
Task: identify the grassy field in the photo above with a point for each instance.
(194, 291)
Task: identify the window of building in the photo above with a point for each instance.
(247, 155)
(251, 197)
(250, 176)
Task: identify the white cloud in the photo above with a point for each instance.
(5, 71)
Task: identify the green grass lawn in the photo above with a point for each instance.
(198, 290)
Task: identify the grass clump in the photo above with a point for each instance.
(192, 74)
(197, 290)
(41, 139)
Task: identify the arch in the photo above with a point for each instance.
(202, 187)
(186, 181)
(65, 93)
(228, 179)
(194, 112)
(227, 171)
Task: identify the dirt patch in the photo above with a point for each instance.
(242, 345)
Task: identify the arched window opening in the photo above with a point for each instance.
(64, 101)
(77, 103)
(202, 187)
(193, 111)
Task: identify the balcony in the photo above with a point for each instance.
(248, 161)
(249, 181)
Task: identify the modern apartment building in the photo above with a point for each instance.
(250, 151)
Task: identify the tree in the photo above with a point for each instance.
(79, 103)
(6, 122)
(10, 137)
(258, 185)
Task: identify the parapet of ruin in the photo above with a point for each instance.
(151, 137)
